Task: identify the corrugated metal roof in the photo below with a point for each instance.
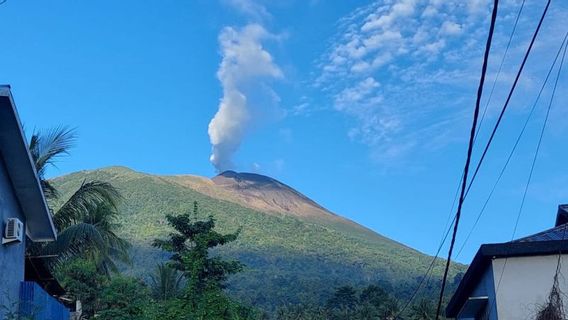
(557, 233)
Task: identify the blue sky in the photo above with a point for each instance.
(365, 106)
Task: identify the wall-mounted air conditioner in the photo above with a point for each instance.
(14, 231)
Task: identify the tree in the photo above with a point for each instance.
(390, 309)
(165, 282)
(423, 310)
(190, 246)
(203, 296)
(374, 295)
(345, 297)
(83, 282)
(123, 298)
(87, 220)
(45, 148)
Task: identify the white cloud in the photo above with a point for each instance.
(426, 55)
(250, 8)
(477, 6)
(450, 28)
(353, 96)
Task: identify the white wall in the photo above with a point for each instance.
(525, 283)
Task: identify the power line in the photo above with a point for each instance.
(516, 142)
(427, 273)
(500, 68)
(458, 214)
(532, 166)
(450, 221)
(469, 151)
(539, 144)
(508, 97)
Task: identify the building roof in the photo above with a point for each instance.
(548, 242)
(22, 173)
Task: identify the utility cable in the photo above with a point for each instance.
(516, 143)
(499, 69)
(469, 151)
(509, 96)
(532, 167)
(449, 222)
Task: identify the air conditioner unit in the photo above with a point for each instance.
(14, 231)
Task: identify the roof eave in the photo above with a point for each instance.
(487, 252)
(22, 172)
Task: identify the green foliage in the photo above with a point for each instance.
(118, 297)
(45, 147)
(423, 310)
(82, 281)
(344, 298)
(166, 282)
(190, 244)
(87, 219)
(289, 260)
(369, 303)
(123, 298)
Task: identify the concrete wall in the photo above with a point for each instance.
(11, 255)
(526, 283)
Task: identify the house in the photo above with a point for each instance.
(514, 280)
(24, 214)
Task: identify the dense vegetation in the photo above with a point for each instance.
(190, 286)
(288, 261)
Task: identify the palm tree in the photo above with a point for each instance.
(45, 148)
(87, 220)
(166, 282)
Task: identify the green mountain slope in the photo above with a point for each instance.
(295, 250)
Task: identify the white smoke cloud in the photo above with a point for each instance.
(244, 69)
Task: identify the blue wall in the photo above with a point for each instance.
(11, 255)
(38, 305)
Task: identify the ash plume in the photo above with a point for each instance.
(243, 72)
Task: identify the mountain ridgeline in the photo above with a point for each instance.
(295, 250)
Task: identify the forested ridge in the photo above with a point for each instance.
(287, 261)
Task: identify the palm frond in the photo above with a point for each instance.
(46, 146)
(87, 199)
(49, 190)
(166, 282)
(74, 240)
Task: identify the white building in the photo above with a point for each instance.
(513, 280)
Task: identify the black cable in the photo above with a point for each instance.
(539, 144)
(532, 166)
(469, 151)
(516, 143)
(485, 153)
(427, 273)
(448, 227)
(509, 96)
(499, 69)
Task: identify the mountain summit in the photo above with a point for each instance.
(268, 194)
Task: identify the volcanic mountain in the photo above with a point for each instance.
(296, 251)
